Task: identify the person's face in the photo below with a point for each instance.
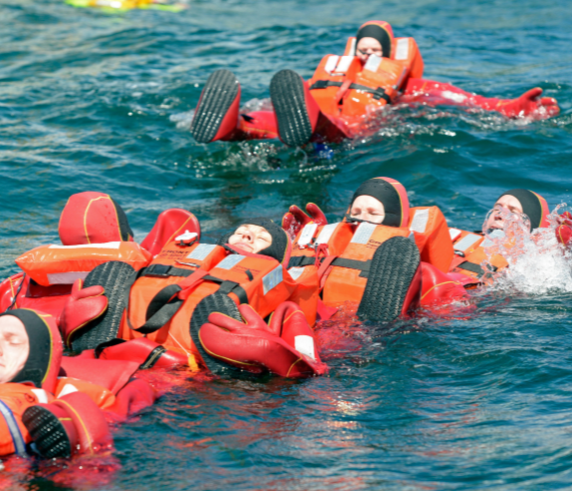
(367, 208)
(505, 204)
(14, 347)
(251, 238)
(367, 47)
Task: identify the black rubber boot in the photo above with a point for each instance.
(116, 278)
(392, 280)
(287, 92)
(219, 94)
(217, 302)
(48, 434)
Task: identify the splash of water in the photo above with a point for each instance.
(538, 263)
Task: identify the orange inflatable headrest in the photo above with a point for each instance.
(379, 30)
(93, 218)
(533, 205)
(392, 195)
(43, 363)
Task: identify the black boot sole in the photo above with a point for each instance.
(287, 94)
(48, 434)
(218, 95)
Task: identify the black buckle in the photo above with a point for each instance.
(158, 270)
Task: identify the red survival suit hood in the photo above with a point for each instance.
(93, 218)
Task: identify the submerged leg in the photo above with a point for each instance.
(529, 104)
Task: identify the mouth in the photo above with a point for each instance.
(243, 246)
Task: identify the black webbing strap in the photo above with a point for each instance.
(164, 271)
(362, 266)
(476, 268)
(227, 287)
(153, 357)
(378, 93)
(300, 261)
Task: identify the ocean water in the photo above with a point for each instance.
(478, 396)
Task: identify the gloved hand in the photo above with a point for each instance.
(285, 347)
(530, 104)
(83, 306)
(564, 229)
(295, 219)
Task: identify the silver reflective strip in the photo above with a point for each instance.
(105, 245)
(344, 64)
(402, 49)
(419, 222)
(17, 438)
(454, 233)
(295, 272)
(363, 233)
(230, 262)
(307, 234)
(466, 242)
(201, 252)
(331, 63)
(272, 279)
(326, 233)
(372, 63)
(66, 278)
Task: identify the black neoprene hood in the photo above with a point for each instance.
(376, 32)
(38, 362)
(389, 197)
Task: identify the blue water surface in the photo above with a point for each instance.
(479, 398)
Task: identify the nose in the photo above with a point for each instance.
(247, 236)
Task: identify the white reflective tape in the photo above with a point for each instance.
(419, 223)
(331, 63)
(454, 233)
(106, 245)
(353, 47)
(14, 429)
(41, 395)
(363, 233)
(66, 278)
(307, 234)
(187, 235)
(305, 345)
(402, 49)
(68, 389)
(372, 63)
(295, 272)
(230, 262)
(201, 252)
(344, 64)
(466, 242)
(495, 234)
(326, 233)
(272, 279)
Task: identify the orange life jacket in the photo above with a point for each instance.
(342, 86)
(344, 250)
(470, 255)
(187, 275)
(50, 265)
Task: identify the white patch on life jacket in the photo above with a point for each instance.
(372, 63)
(295, 272)
(230, 262)
(41, 395)
(402, 49)
(307, 234)
(363, 233)
(201, 252)
(272, 279)
(187, 235)
(353, 47)
(454, 233)
(331, 63)
(66, 278)
(454, 97)
(305, 344)
(106, 245)
(466, 242)
(326, 233)
(495, 234)
(344, 64)
(419, 222)
(68, 389)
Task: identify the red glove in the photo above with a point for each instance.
(529, 104)
(295, 219)
(285, 348)
(564, 230)
(83, 306)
